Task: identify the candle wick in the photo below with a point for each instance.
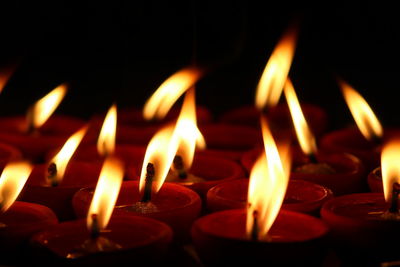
(95, 229)
(30, 115)
(255, 230)
(394, 205)
(52, 174)
(312, 158)
(179, 167)
(148, 182)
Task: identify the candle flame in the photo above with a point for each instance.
(106, 141)
(304, 135)
(366, 121)
(267, 185)
(186, 130)
(12, 180)
(158, 105)
(390, 164)
(62, 158)
(270, 86)
(106, 193)
(160, 152)
(44, 107)
(5, 75)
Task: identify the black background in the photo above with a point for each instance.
(122, 50)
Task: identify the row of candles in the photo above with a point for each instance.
(137, 200)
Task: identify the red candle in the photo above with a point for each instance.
(229, 141)
(8, 153)
(139, 240)
(347, 171)
(220, 238)
(174, 204)
(301, 196)
(18, 224)
(58, 198)
(358, 226)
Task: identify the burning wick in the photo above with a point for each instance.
(95, 229)
(394, 205)
(255, 230)
(52, 174)
(30, 118)
(179, 167)
(148, 182)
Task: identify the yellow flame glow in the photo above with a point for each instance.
(270, 86)
(158, 105)
(106, 141)
(267, 185)
(62, 158)
(186, 130)
(304, 135)
(44, 107)
(363, 115)
(160, 151)
(12, 180)
(390, 164)
(106, 193)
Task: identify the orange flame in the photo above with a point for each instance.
(158, 105)
(42, 109)
(270, 86)
(62, 158)
(106, 141)
(160, 152)
(5, 74)
(390, 164)
(267, 185)
(363, 115)
(186, 130)
(304, 135)
(106, 193)
(12, 181)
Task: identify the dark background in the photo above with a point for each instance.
(122, 50)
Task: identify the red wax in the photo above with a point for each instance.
(220, 238)
(229, 141)
(21, 221)
(279, 116)
(53, 134)
(8, 153)
(58, 198)
(142, 240)
(375, 180)
(176, 205)
(301, 196)
(357, 225)
(348, 177)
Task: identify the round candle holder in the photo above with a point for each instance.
(279, 117)
(141, 240)
(174, 204)
(18, 224)
(34, 146)
(8, 153)
(229, 141)
(348, 176)
(301, 196)
(220, 239)
(58, 198)
(375, 181)
(359, 231)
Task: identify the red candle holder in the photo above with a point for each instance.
(8, 153)
(220, 239)
(359, 229)
(301, 196)
(279, 116)
(142, 241)
(18, 224)
(50, 136)
(174, 204)
(375, 181)
(229, 141)
(348, 177)
(58, 198)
